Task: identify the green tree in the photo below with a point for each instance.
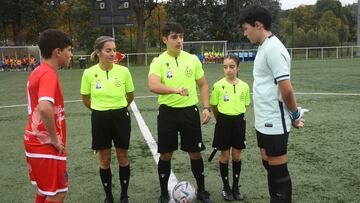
(329, 21)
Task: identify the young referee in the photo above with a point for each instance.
(274, 100)
(174, 75)
(229, 99)
(107, 89)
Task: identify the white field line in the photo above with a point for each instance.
(151, 142)
(154, 96)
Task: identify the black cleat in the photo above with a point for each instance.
(164, 199)
(227, 194)
(204, 196)
(109, 200)
(237, 194)
(125, 200)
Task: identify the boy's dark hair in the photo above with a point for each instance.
(234, 58)
(256, 13)
(51, 39)
(171, 27)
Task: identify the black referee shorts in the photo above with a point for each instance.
(274, 145)
(186, 121)
(229, 132)
(109, 126)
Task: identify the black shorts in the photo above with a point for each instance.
(109, 126)
(229, 132)
(186, 121)
(274, 145)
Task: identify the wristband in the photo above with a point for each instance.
(296, 115)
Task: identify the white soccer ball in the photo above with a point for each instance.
(184, 192)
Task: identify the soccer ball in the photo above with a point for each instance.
(184, 192)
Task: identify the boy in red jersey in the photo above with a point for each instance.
(45, 135)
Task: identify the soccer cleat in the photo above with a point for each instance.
(204, 196)
(164, 199)
(237, 194)
(125, 200)
(227, 194)
(109, 200)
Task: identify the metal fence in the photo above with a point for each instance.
(144, 59)
(307, 53)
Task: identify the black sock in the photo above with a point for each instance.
(197, 168)
(164, 168)
(105, 175)
(224, 173)
(236, 165)
(271, 185)
(124, 176)
(282, 182)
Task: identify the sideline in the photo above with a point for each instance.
(151, 143)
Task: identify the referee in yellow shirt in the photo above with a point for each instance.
(107, 89)
(229, 99)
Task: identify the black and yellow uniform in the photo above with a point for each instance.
(110, 118)
(178, 113)
(231, 101)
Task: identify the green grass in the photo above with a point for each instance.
(324, 156)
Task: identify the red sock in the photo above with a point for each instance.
(39, 198)
(49, 201)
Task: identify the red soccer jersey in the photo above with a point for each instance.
(43, 84)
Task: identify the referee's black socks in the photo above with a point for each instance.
(236, 165)
(164, 168)
(124, 176)
(282, 182)
(105, 175)
(224, 172)
(197, 168)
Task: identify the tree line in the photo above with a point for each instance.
(327, 23)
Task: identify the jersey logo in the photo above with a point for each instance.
(226, 98)
(268, 125)
(169, 74)
(98, 86)
(117, 82)
(188, 71)
(242, 97)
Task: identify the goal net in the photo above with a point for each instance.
(207, 51)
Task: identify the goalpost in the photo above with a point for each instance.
(207, 51)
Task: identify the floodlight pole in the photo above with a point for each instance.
(358, 29)
(112, 19)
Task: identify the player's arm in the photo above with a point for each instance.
(204, 94)
(46, 111)
(157, 87)
(129, 97)
(86, 101)
(289, 98)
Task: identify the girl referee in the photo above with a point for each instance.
(229, 99)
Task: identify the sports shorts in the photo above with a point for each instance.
(179, 121)
(274, 145)
(230, 132)
(110, 126)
